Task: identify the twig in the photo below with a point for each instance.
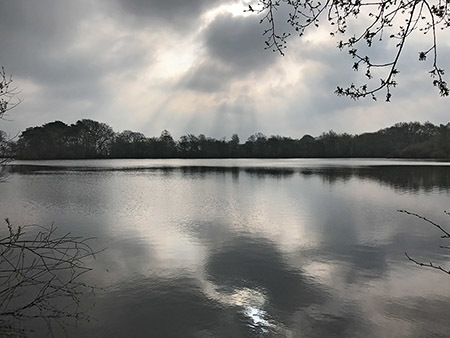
(447, 235)
(38, 271)
(429, 265)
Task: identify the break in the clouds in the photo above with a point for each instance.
(192, 67)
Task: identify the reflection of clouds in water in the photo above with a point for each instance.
(251, 273)
(286, 254)
(244, 274)
(403, 179)
(257, 317)
(250, 302)
(243, 297)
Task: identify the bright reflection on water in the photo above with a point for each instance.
(236, 248)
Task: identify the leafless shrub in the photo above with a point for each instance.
(40, 278)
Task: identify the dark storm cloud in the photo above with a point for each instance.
(209, 76)
(73, 59)
(61, 55)
(177, 13)
(238, 41)
(234, 48)
(49, 21)
(31, 31)
(39, 37)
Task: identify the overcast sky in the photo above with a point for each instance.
(196, 66)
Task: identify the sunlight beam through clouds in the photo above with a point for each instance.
(193, 68)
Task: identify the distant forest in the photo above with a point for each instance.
(88, 139)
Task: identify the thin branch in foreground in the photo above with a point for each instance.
(428, 265)
(40, 278)
(446, 235)
(384, 20)
(8, 95)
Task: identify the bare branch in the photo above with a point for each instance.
(428, 265)
(446, 235)
(397, 20)
(40, 276)
(8, 94)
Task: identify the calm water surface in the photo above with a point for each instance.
(242, 248)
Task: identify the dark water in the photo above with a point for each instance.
(242, 248)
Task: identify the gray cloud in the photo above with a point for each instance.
(32, 31)
(208, 76)
(98, 60)
(178, 14)
(234, 49)
(238, 41)
(40, 46)
(48, 46)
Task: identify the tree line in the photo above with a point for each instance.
(88, 139)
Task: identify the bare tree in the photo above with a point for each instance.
(445, 234)
(8, 101)
(394, 20)
(8, 94)
(5, 154)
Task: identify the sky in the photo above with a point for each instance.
(196, 66)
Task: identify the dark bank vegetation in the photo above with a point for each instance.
(88, 139)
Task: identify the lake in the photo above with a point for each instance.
(249, 248)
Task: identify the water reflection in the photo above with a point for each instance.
(411, 178)
(257, 264)
(403, 178)
(238, 251)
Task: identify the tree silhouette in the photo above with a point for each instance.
(381, 20)
(5, 154)
(57, 140)
(8, 94)
(8, 100)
